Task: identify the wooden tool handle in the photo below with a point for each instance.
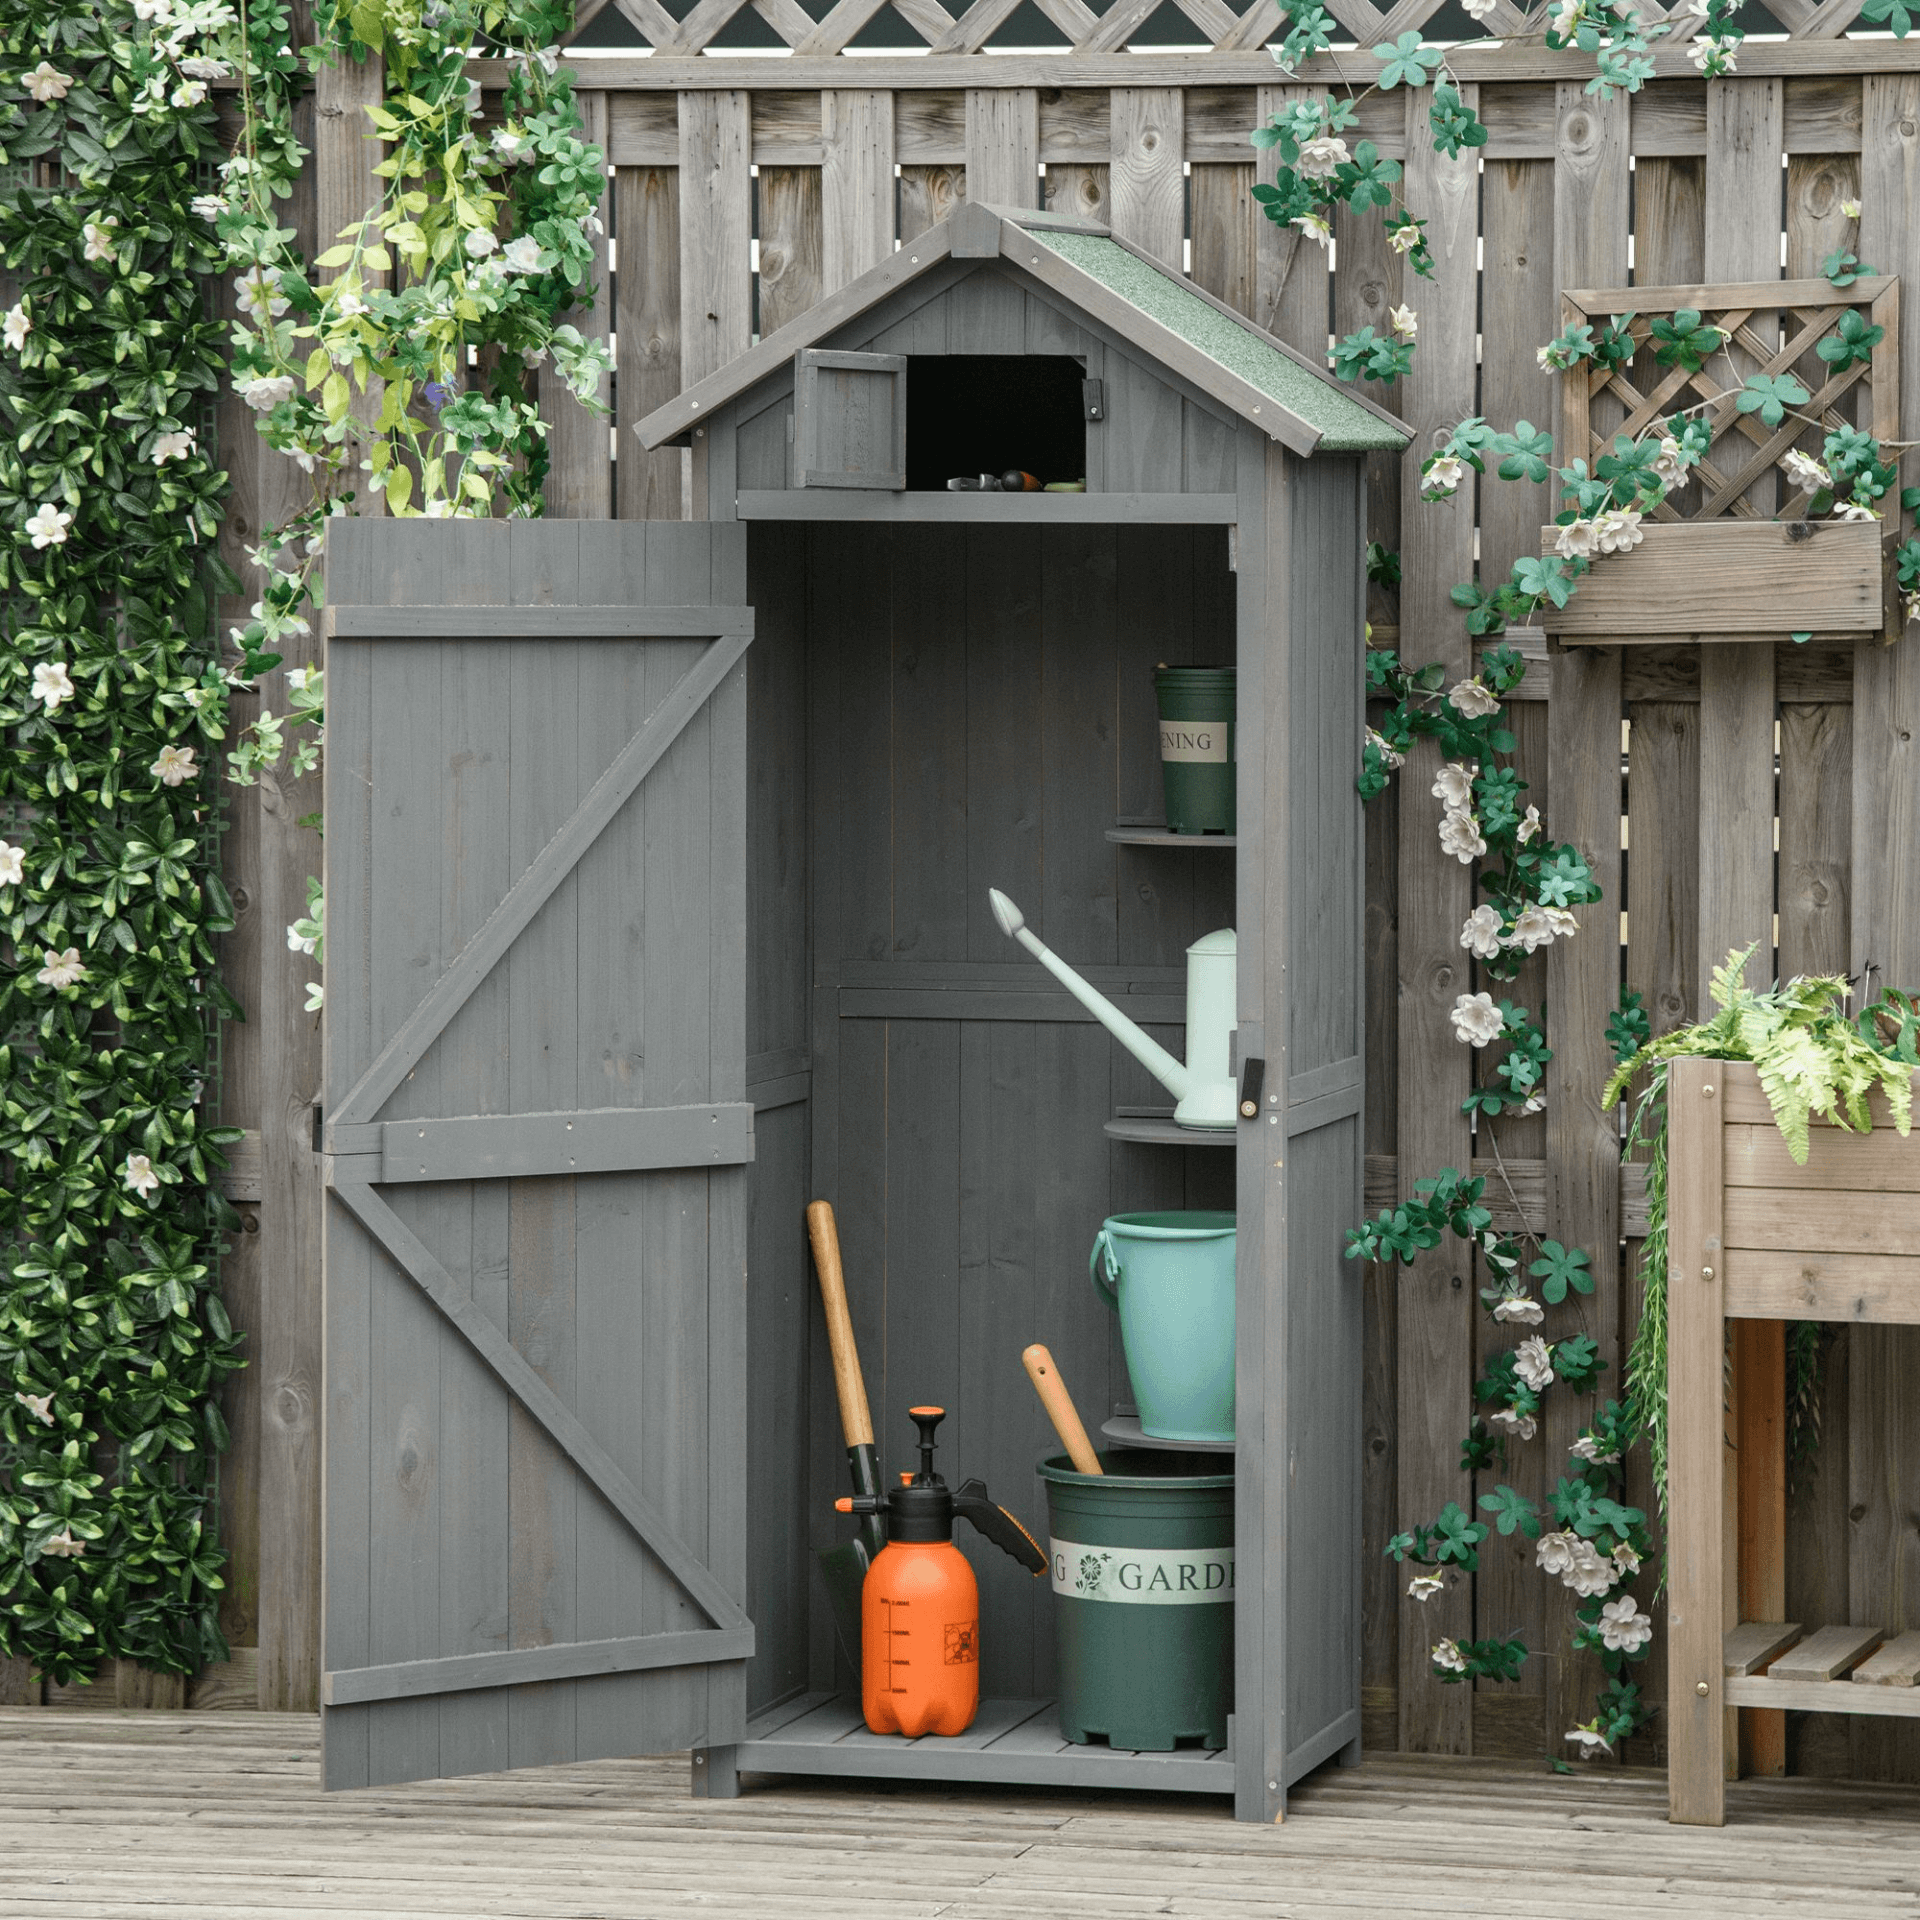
(1059, 1405)
(855, 1421)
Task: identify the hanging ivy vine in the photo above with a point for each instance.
(112, 1337)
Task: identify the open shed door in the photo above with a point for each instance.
(533, 1110)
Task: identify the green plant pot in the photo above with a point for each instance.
(1197, 746)
(1142, 1571)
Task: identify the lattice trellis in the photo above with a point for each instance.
(1768, 327)
(1218, 25)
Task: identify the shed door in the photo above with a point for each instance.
(536, 1135)
(849, 419)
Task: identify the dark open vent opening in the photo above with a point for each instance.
(974, 413)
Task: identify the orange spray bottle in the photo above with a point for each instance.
(920, 1605)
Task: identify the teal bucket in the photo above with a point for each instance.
(1142, 1569)
(1170, 1278)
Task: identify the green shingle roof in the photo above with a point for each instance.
(1317, 398)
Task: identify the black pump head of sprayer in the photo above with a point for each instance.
(924, 1507)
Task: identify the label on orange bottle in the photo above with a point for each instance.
(963, 1643)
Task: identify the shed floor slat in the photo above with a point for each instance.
(117, 1816)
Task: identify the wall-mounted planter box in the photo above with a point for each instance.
(1728, 580)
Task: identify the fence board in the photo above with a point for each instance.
(856, 187)
(1149, 188)
(791, 246)
(647, 225)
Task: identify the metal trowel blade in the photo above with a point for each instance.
(844, 1568)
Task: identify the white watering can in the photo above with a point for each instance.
(1203, 1085)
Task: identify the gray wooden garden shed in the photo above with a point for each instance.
(658, 859)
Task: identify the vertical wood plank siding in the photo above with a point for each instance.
(844, 173)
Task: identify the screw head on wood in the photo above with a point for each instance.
(1248, 1109)
(1706, 1273)
(1706, 1093)
(1701, 1689)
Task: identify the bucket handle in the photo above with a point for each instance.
(1103, 1266)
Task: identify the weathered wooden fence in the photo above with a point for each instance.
(1726, 793)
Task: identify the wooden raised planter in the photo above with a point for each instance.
(1753, 1236)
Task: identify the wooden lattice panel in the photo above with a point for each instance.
(1767, 327)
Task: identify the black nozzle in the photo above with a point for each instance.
(927, 1419)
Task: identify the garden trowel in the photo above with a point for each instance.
(845, 1564)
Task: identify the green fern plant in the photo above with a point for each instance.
(1815, 1064)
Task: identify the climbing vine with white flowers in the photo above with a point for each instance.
(112, 1337)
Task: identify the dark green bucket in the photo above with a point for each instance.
(1143, 1598)
(1196, 746)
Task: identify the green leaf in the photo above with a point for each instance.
(1405, 62)
(1512, 1511)
(1560, 1268)
(1770, 395)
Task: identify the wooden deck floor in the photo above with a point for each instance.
(125, 1816)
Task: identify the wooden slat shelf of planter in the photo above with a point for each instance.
(1011, 1743)
(1835, 1670)
(1753, 1235)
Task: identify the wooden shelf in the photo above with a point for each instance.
(1166, 837)
(992, 509)
(1011, 1743)
(1833, 1670)
(1124, 1430)
(1158, 1129)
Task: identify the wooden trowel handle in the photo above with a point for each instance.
(855, 1421)
(1060, 1410)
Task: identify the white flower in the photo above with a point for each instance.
(439, 509)
(1624, 1556)
(1590, 1574)
(15, 325)
(509, 143)
(474, 101)
(348, 304)
(1850, 209)
(479, 243)
(98, 235)
(1560, 922)
(1314, 226)
(1453, 786)
(40, 1405)
(1481, 933)
(189, 93)
(152, 9)
(1588, 1448)
(174, 766)
(1576, 540)
(1566, 18)
(48, 526)
(264, 391)
(1516, 1306)
(1478, 9)
(1385, 748)
(13, 864)
(1533, 1362)
(1320, 156)
(1700, 53)
(139, 1175)
(47, 83)
(173, 446)
(1590, 1740)
(62, 1545)
(1471, 700)
(199, 67)
(548, 60)
(209, 206)
(1669, 464)
(1447, 1658)
(1854, 510)
(62, 969)
(51, 684)
(1528, 827)
(1805, 471)
(1532, 930)
(298, 942)
(1535, 1103)
(1476, 1019)
(1444, 473)
(1423, 1586)
(260, 295)
(522, 255)
(1460, 836)
(1405, 237)
(316, 997)
(300, 678)
(1520, 1425)
(1404, 321)
(1623, 1627)
(1549, 359)
(1618, 529)
(1553, 1553)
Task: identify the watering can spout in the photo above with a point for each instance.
(1171, 1073)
